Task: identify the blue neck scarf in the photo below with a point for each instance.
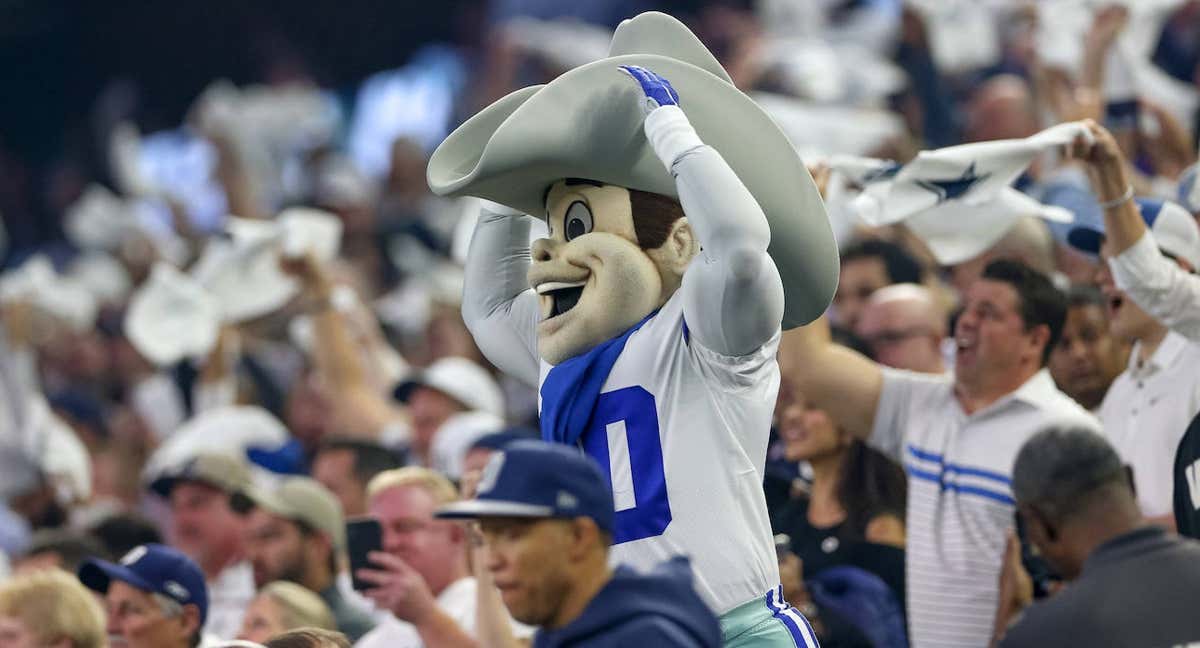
(571, 388)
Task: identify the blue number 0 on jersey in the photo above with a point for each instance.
(624, 439)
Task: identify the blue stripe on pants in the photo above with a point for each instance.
(788, 615)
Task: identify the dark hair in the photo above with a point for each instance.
(82, 407)
(72, 547)
(370, 458)
(900, 265)
(497, 440)
(653, 217)
(1059, 470)
(307, 531)
(1040, 302)
(1084, 295)
(869, 484)
(570, 182)
(122, 532)
(308, 638)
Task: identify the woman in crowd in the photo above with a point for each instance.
(850, 517)
(281, 606)
(309, 638)
(49, 609)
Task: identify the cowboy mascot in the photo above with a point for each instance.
(684, 233)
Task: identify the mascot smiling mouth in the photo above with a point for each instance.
(558, 297)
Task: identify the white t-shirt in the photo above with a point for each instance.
(683, 433)
(960, 503)
(1145, 413)
(228, 597)
(457, 601)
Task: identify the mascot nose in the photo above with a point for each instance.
(543, 250)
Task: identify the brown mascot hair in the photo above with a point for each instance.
(653, 216)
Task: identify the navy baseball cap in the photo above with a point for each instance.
(536, 479)
(152, 568)
(1173, 228)
(498, 440)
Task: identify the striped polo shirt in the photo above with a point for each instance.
(960, 504)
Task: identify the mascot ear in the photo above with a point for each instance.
(679, 248)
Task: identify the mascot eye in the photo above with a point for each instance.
(578, 221)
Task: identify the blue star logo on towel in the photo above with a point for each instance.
(956, 187)
(885, 171)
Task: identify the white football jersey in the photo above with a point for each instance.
(683, 434)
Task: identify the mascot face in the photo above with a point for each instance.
(600, 272)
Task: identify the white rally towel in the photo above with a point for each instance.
(956, 233)
(171, 317)
(99, 220)
(65, 299)
(957, 215)
(969, 174)
(242, 271)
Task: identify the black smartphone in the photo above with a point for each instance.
(363, 535)
(1040, 572)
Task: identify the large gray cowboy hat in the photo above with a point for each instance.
(587, 123)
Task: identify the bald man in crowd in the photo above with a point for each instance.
(1001, 108)
(904, 326)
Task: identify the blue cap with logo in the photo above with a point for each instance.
(536, 479)
(1173, 228)
(154, 568)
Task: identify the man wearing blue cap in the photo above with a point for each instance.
(155, 595)
(1148, 407)
(546, 513)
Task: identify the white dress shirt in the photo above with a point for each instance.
(1159, 286)
(1145, 413)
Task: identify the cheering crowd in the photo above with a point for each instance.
(246, 330)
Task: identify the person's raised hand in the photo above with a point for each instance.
(1105, 162)
(820, 174)
(657, 90)
(308, 270)
(398, 588)
(1169, 148)
(1106, 26)
(1016, 586)
(17, 316)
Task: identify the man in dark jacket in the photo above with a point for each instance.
(546, 513)
(1132, 584)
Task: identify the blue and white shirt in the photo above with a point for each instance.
(683, 434)
(960, 502)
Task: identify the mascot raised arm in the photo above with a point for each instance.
(684, 233)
